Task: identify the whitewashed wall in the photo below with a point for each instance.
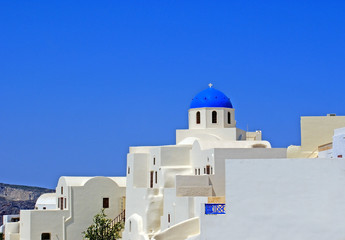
(270, 199)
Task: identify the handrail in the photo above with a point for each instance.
(120, 218)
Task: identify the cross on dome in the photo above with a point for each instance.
(210, 85)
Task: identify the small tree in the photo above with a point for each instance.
(103, 228)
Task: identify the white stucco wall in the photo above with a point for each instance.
(281, 199)
(339, 143)
(84, 199)
(206, 118)
(226, 134)
(35, 222)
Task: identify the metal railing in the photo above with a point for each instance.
(120, 218)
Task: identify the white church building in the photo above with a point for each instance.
(216, 182)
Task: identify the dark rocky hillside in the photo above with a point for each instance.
(16, 197)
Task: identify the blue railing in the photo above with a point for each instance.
(214, 208)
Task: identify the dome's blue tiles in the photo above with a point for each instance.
(211, 97)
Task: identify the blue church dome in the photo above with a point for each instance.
(211, 97)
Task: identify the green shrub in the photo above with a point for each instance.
(103, 229)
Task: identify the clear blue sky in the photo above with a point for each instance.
(81, 81)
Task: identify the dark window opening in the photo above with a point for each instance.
(168, 218)
(208, 169)
(128, 171)
(229, 118)
(196, 172)
(151, 179)
(16, 219)
(45, 236)
(340, 156)
(44, 208)
(61, 190)
(154, 161)
(65, 203)
(198, 118)
(61, 203)
(199, 171)
(105, 202)
(214, 117)
(156, 177)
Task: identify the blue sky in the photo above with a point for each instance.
(81, 81)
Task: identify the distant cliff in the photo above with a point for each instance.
(16, 197)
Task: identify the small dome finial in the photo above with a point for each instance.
(210, 85)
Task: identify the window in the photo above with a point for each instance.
(156, 177)
(151, 179)
(65, 203)
(168, 218)
(44, 208)
(340, 156)
(208, 169)
(61, 203)
(199, 171)
(214, 117)
(105, 202)
(196, 171)
(61, 190)
(197, 117)
(130, 226)
(128, 171)
(154, 160)
(229, 118)
(45, 236)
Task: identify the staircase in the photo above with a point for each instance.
(120, 218)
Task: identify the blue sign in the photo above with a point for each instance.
(214, 208)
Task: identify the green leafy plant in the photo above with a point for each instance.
(1, 236)
(103, 228)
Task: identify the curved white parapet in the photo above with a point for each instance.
(134, 228)
(180, 231)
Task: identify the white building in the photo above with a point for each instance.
(10, 225)
(216, 182)
(173, 182)
(68, 212)
(336, 148)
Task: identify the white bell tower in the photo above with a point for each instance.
(211, 109)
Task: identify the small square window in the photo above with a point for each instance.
(105, 202)
(45, 236)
